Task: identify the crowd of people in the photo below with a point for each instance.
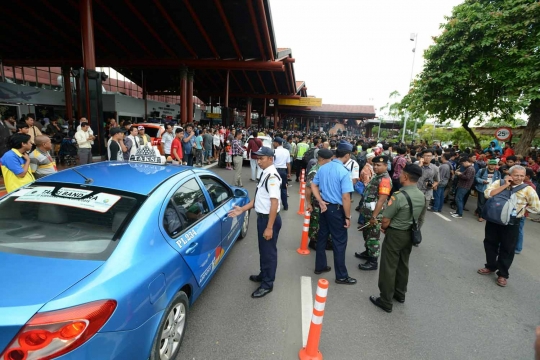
(398, 184)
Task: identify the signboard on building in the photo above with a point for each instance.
(213, 116)
(305, 101)
(271, 102)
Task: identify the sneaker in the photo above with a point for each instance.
(453, 212)
(457, 216)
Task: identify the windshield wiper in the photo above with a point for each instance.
(87, 180)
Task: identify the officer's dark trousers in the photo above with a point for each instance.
(268, 251)
(500, 243)
(283, 174)
(332, 222)
(394, 266)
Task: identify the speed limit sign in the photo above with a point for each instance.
(503, 134)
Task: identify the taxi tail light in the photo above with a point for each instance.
(54, 333)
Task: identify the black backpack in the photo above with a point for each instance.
(310, 154)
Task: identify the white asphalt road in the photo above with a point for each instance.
(451, 312)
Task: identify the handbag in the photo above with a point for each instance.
(416, 235)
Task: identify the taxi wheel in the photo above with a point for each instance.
(171, 329)
(245, 225)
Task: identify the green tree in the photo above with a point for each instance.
(486, 62)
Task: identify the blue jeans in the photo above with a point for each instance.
(438, 197)
(519, 245)
(460, 196)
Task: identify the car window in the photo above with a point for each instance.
(187, 206)
(64, 221)
(219, 192)
(151, 131)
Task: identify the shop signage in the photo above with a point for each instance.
(305, 101)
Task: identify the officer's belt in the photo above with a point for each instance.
(330, 204)
(398, 229)
(265, 216)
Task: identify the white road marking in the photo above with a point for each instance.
(442, 216)
(307, 306)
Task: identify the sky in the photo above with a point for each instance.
(356, 52)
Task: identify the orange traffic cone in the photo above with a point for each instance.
(302, 198)
(311, 351)
(302, 180)
(303, 249)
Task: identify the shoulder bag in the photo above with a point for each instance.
(416, 235)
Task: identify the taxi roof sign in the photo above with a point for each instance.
(148, 155)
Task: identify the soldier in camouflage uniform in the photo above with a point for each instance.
(375, 196)
(324, 156)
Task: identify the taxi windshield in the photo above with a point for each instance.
(65, 220)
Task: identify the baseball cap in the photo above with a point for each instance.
(264, 151)
(278, 140)
(140, 127)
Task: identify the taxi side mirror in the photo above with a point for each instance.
(240, 193)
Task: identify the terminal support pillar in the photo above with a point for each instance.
(183, 95)
(248, 112)
(92, 104)
(275, 116)
(144, 96)
(189, 96)
(307, 124)
(66, 76)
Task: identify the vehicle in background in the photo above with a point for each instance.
(154, 131)
(266, 140)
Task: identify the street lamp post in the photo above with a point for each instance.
(414, 37)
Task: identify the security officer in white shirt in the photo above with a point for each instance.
(267, 204)
(354, 169)
(282, 162)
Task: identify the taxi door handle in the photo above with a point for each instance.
(191, 248)
(225, 218)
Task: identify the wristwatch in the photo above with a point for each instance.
(347, 218)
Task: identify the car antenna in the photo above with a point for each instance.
(87, 180)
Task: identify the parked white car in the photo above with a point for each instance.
(266, 140)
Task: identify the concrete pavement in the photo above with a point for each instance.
(451, 312)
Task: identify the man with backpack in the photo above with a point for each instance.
(483, 179)
(508, 199)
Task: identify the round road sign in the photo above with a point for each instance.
(503, 134)
(271, 101)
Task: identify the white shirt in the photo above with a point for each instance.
(135, 146)
(217, 140)
(82, 139)
(262, 197)
(353, 168)
(89, 131)
(281, 157)
(166, 140)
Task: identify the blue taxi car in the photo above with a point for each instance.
(103, 261)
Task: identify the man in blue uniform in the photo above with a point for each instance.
(267, 204)
(331, 187)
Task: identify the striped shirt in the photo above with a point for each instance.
(527, 199)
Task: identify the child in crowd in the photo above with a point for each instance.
(228, 155)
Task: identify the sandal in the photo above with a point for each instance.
(501, 281)
(485, 271)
